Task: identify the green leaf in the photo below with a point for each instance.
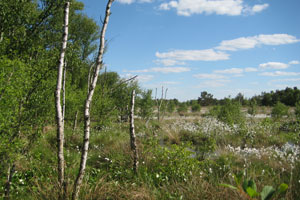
(251, 192)
(238, 178)
(229, 186)
(267, 193)
(282, 188)
(245, 185)
(252, 184)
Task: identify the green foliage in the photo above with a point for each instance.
(201, 143)
(229, 113)
(196, 108)
(182, 108)
(279, 110)
(297, 110)
(146, 104)
(253, 107)
(167, 164)
(171, 106)
(248, 187)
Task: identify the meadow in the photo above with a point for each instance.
(198, 155)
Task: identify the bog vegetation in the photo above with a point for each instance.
(233, 148)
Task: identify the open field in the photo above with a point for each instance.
(179, 158)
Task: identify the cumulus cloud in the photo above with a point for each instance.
(254, 41)
(294, 62)
(164, 70)
(169, 62)
(230, 71)
(213, 83)
(193, 55)
(219, 7)
(280, 73)
(273, 65)
(209, 76)
(259, 7)
(134, 1)
(251, 69)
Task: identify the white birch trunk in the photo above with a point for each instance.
(132, 135)
(88, 101)
(64, 93)
(59, 113)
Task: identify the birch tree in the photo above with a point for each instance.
(59, 109)
(132, 134)
(87, 118)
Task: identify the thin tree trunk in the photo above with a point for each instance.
(64, 93)
(87, 119)
(133, 136)
(59, 113)
(10, 173)
(164, 111)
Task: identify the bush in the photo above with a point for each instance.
(196, 108)
(279, 110)
(297, 110)
(202, 144)
(182, 108)
(229, 113)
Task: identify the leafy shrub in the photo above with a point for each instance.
(229, 113)
(202, 144)
(182, 108)
(253, 107)
(297, 110)
(247, 188)
(279, 110)
(163, 164)
(196, 108)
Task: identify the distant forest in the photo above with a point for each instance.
(288, 96)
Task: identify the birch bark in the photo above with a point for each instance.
(132, 135)
(59, 113)
(87, 120)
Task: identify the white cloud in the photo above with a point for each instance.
(259, 8)
(219, 7)
(162, 70)
(286, 80)
(230, 71)
(193, 55)
(169, 62)
(294, 62)
(126, 1)
(254, 41)
(251, 69)
(170, 69)
(133, 1)
(213, 83)
(273, 65)
(280, 73)
(209, 76)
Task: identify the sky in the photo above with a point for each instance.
(188, 46)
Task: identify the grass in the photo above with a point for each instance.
(169, 167)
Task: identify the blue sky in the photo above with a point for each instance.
(220, 46)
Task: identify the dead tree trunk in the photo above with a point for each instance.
(133, 136)
(159, 102)
(87, 119)
(59, 113)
